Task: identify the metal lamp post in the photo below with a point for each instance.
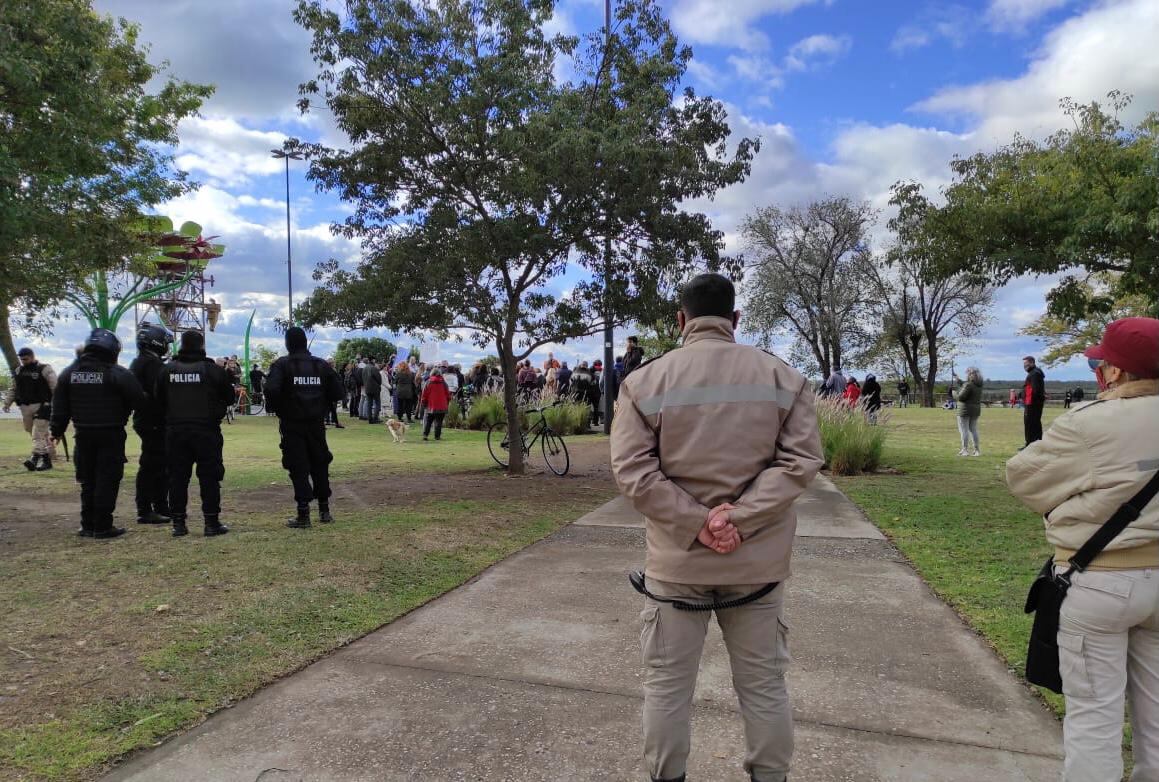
(609, 349)
(288, 156)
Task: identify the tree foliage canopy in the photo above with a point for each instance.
(478, 178)
(919, 302)
(1067, 337)
(84, 147)
(1086, 198)
(368, 347)
(811, 278)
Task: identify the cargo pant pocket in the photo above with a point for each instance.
(783, 657)
(1072, 665)
(651, 638)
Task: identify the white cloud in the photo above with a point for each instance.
(704, 73)
(734, 24)
(253, 51)
(226, 151)
(758, 69)
(951, 23)
(1014, 15)
(1110, 47)
(816, 51)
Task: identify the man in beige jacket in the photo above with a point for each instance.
(712, 444)
(1093, 459)
(32, 387)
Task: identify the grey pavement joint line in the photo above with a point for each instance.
(536, 682)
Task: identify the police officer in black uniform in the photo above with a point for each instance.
(97, 395)
(301, 388)
(149, 423)
(193, 393)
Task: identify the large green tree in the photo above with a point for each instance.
(810, 278)
(350, 348)
(85, 147)
(1068, 336)
(479, 178)
(1087, 198)
(923, 307)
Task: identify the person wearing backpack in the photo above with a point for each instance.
(1091, 461)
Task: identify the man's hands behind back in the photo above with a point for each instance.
(718, 532)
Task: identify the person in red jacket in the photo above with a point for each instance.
(852, 392)
(436, 399)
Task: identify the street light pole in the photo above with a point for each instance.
(609, 349)
(288, 156)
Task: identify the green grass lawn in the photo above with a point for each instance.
(955, 520)
(252, 456)
(111, 646)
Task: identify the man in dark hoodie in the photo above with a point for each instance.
(193, 393)
(372, 388)
(97, 395)
(153, 343)
(300, 389)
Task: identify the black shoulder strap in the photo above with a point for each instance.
(1127, 512)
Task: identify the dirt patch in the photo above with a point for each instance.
(27, 520)
(90, 649)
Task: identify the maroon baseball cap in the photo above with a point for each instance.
(1132, 345)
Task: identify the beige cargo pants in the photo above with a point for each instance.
(757, 639)
(38, 428)
(1108, 651)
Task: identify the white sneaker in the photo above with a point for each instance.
(977, 452)
(963, 452)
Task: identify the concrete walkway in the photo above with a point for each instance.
(531, 672)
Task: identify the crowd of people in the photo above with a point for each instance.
(413, 390)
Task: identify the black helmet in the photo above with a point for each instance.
(104, 341)
(154, 338)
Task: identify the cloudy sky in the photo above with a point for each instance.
(847, 95)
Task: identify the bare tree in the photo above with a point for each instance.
(810, 278)
(919, 302)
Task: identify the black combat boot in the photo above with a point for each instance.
(674, 779)
(45, 463)
(179, 528)
(324, 514)
(152, 517)
(32, 463)
(302, 520)
(86, 526)
(105, 529)
(213, 526)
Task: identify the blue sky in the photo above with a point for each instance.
(847, 95)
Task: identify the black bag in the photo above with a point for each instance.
(1049, 590)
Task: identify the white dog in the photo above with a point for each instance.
(397, 429)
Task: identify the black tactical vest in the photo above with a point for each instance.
(95, 399)
(31, 385)
(189, 393)
(303, 395)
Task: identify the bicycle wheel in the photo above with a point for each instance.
(498, 443)
(555, 453)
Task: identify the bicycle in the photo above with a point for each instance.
(244, 404)
(554, 448)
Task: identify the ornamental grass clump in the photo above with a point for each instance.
(852, 444)
(569, 418)
(486, 409)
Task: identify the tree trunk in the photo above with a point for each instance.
(931, 379)
(515, 464)
(6, 344)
